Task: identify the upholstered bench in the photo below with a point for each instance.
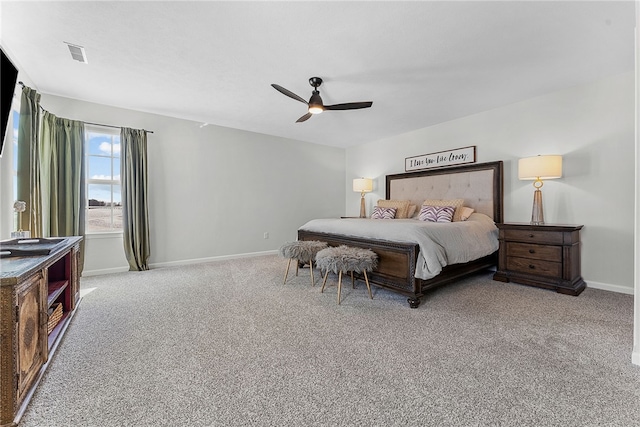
(304, 252)
(346, 259)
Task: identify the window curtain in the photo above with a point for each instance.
(135, 215)
(62, 171)
(29, 189)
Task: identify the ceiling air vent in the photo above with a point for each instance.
(77, 53)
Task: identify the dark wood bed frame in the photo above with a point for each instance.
(397, 260)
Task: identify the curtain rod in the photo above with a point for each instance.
(89, 123)
(111, 126)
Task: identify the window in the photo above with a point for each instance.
(104, 197)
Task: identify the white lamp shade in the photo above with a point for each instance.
(363, 185)
(540, 167)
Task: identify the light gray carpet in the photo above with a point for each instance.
(227, 344)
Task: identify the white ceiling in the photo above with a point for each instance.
(421, 63)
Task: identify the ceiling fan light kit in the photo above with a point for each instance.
(315, 104)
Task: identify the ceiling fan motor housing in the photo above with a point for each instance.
(315, 81)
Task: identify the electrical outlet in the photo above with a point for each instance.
(266, 234)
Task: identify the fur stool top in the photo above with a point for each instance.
(346, 258)
(302, 250)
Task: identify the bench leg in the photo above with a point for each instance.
(339, 285)
(313, 282)
(287, 272)
(324, 282)
(366, 279)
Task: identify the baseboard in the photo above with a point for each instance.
(87, 273)
(209, 259)
(609, 287)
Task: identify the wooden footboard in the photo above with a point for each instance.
(397, 264)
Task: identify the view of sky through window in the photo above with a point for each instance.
(104, 195)
(104, 167)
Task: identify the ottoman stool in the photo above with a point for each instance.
(346, 259)
(304, 252)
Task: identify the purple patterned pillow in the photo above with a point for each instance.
(436, 213)
(383, 213)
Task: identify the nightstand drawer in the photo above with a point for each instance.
(526, 250)
(535, 266)
(534, 236)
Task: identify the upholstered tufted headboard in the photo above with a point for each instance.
(479, 184)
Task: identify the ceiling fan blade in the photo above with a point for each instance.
(304, 118)
(348, 106)
(288, 93)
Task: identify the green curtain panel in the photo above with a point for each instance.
(29, 189)
(62, 168)
(135, 215)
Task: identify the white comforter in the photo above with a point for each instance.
(440, 244)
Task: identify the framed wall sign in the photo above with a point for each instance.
(441, 158)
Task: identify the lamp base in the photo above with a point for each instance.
(21, 234)
(537, 215)
(363, 213)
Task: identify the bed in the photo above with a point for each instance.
(400, 258)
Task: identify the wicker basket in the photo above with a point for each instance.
(54, 317)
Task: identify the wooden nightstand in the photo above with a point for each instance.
(547, 256)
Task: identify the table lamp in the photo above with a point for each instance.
(362, 185)
(539, 168)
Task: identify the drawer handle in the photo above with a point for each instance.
(531, 266)
(532, 251)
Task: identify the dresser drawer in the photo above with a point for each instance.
(550, 237)
(534, 266)
(531, 251)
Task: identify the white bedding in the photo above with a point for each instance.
(440, 244)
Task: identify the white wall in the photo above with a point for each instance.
(592, 126)
(214, 191)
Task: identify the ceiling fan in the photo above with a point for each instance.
(315, 102)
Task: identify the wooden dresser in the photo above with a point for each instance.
(547, 256)
(38, 297)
